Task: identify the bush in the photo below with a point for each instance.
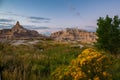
(89, 65)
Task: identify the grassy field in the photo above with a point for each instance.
(35, 62)
(38, 61)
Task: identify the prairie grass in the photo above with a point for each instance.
(38, 61)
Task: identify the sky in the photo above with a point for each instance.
(48, 16)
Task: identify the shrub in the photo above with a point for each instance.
(89, 65)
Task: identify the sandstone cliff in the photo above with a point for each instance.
(71, 34)
(18, 32)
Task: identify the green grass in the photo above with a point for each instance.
(34, 62)
(38, 61)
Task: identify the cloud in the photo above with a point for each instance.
(38, 18)
(90, 28)
(7, 20)
(46, 21)
(11, 14)
(41, 27)
(29, 19)
(4, 23)
(5, 26)
(47, 32)
(35, 27)
(74, 10)
(38, 21)
(78, 13)
(35, 19)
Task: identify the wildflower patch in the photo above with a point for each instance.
(89, 65)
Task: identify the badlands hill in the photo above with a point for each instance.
(18, 32)
(72, 34)
(69, 34)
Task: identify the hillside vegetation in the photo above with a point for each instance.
(46, 59)
(34, 62)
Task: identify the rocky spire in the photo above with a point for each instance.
(17, 27)
(17, 24)
(18, 32)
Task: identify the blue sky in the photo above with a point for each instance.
(52, 15)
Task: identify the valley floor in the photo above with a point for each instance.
(38, 59)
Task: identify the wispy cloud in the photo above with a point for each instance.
(78, 13)
(41, 29)
(30, 19)
(7, 20)
(11, 14)
(35, 19)
(74, 10)
(90, 28)
(39, 21)
(35, 27)
(5, 25)
(38, 18)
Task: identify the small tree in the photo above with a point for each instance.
(108, 33)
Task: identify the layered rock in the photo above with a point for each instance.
(72, 34)
(18, 32)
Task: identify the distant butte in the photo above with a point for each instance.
(18, 32)
(72, 34)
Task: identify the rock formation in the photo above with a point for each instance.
(18, 32)
(72, 34)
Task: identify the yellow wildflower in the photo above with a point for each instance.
(96, 78)
(88, 71)
(88, 62)
(105, 74)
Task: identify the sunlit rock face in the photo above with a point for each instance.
(18, 32)
(71, 34)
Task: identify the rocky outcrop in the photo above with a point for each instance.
(18, 32)
(72, 34)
